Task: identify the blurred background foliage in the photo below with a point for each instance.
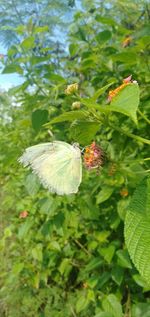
(67, 257)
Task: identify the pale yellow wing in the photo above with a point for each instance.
(57, 164)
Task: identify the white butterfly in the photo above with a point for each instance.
(58, 165)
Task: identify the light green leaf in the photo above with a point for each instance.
(28, 43)
(64, 266)
(141, 309)
(24, 228)
(82, 303)
(108, 253)
(54, 245)
(104, 194)
(104, 314)
(37, 252)
(32, 184)
(137, 229)
(70, 116)
(73, 49)
(111, 304)
(127, 101)
(101, 91)
(12, 68)
(17, 268)
(40, 29)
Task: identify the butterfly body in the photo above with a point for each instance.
(57, 164)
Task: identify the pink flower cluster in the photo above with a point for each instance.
(93, 156)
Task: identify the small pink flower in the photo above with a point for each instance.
(24, 214)
(127, 80)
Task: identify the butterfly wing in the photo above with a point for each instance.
(57, 164)
(33, 152)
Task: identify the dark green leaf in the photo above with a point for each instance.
(84, 132)
(39, 117)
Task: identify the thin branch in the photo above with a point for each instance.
(131, 135)
(143, 116)
(82, 247)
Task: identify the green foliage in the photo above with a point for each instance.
(67, 256)
(137, 227)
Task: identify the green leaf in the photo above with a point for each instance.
(105, 20)
(111, 304)
(70, 116)
(48, 206)
(84, 132)
(64, 266)
(12, 68)
(100, 91)
(73, 49)
(123, 259)
(32, 184)
(117, 275)
(141, 309)
(24, 228)
(104, 314)
(54, 245)
(128, 57)
(137, 229)
(17, 268)
(56, 78)
(103, 36)
(81, 303)
(94, 263)
(39, 117)
(37, 252)
(28, 43)
(108, 253)
(104, 194)
(39, 59)
(40, 29)
(127, 101)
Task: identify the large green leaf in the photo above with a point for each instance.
(127, 101)
(137, 229)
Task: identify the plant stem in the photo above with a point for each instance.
(131, 135)
(82, 247)
(143, 116)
